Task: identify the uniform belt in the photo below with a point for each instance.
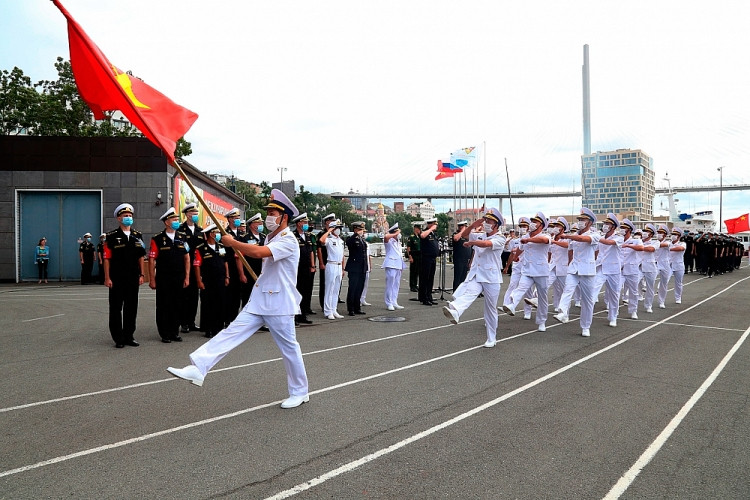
(334, 263)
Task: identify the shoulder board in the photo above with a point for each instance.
(135, 233)
(284, 233)
(112, 232)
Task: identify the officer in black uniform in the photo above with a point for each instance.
(305, 266)
(689, 257)
(461, 255)
(430, 252)
(701, 252)
(169, 273)
(322, 259)
(356, 267)
(314, 244)
(86, 252)
(414, 254)
(233, 295)
(252, 236)
(211, 272)
(100, 258)
(124, 268)
(193, 237)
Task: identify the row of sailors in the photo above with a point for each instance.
(577, 262)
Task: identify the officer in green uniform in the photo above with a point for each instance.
(414, 253)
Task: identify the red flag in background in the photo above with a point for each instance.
(443, 175)
(106, 88)
(738, 225)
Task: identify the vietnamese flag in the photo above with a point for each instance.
(105, 88)
(737, 225)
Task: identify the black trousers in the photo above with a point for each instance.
(322, 288)
(42, 270)
(304, 287)
(212, 297)
(167, 311)
(306, 304)
(123, 310)
(426, 278)
(414, 271)
(86, 268)
(460, 270)
(232, 298)
(354, 293)
(189, 303)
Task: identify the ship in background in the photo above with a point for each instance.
(699, 221)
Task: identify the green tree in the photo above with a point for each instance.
(18, 99)
(443, 224)
(404, 220)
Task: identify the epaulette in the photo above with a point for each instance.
(112, 232)
(284, 233)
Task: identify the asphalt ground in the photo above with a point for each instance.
(654, 408)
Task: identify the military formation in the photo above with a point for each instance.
(248, 279)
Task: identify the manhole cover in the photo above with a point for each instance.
(386, 319)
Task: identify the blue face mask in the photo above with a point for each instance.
(237, 223)
(305, 227)
(88, 239)
(260, 228)
(217, 237)
(127, 221)
(175, 225)
(194, 218)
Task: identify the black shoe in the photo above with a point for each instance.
(208, 335)
(166, 341)
(413, 290)
(433, 302)
(305, 321)
(176, 339)
(311, 312)
(351, 313)
(185, 329)
(195, 328)
(359, 312)
(341, 301)
(132, 343)
(425, 303)
(119, 346)
(263, 329)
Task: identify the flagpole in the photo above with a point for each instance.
(510, 198)
(484, 152)
(212, 215)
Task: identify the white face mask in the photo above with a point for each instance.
(533, 226)
(606, 227)
(523, 230)
(675, 238)
(620, 232)
(554, 230)
(337, 232)
(271, 223)
(487, 227)
(660, 236)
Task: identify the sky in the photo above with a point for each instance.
(368, 95)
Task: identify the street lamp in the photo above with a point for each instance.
(721, 187)
(282, 170)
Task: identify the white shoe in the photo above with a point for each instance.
(533, 301)
(337, 315)
(295, 401)
(391, 308)
(541, 328)
(585, 332)
(641, 298)
(190, 372)
(527, 316)
(578, 303)
(557, 309)
(561, 317)
(507, 310)
(331, 316)
(363, 303)
(634, 316)
(398, 306)
(662, 306)
(613, 323)
(450, 314)
(649, 310)
(678, 301)
(489, 343)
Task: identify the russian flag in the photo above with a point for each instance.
(447, 166)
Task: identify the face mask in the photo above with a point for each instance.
(305, 227)
(487, 227)
(675, 238)
(271, 223)
(533, 226)
(194, 218)
(88, 239)
(237, 223)
(554, 230)
(260, 228)
(606, 228)
(523, 231)
(217, 237)
(619, 232)
(337, 232)
(127, 221)
(660, 237)
(174, 225)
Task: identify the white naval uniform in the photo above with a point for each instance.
(516, 273)
(535, 271)
(335, 247)
(274, 301)
(582, 274)
(677, 263)
(485, 276)
(631, 273)
(649, 270)
(665, 269)
(558, 272)
(393, 265)
(610, 259)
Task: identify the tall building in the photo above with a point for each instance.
(620, 181)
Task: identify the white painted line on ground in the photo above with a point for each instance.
(385, 451)
(627, 479)
(43, 317)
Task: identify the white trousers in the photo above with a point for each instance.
(649, 278)
(612, 284)
(465, 295)
(557, 284)
(333, 283)
(524, 288)
(515, 278)
(664, 276)
(364, 290)
(630, 284)
(586, 286)
(392, 285)
(678, 274)
(241, 329)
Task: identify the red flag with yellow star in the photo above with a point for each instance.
(105, 88)
(738, 225)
